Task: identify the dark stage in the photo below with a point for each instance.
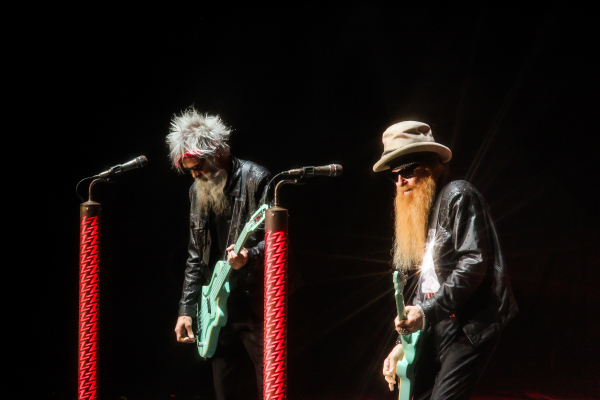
(511, 90)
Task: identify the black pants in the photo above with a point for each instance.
(449, 366)
(230, 376)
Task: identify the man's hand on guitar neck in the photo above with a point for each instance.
(389, 365)
(412, 323)
(183, 330)
(237, 261)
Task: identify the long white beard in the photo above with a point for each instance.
(209, 190)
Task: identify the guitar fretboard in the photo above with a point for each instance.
(218, 284)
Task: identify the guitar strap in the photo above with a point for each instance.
(245, 170)
(239, 201)
(436, 211)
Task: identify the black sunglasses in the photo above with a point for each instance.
(197, 167)
(406, 172)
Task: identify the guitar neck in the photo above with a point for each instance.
(241, 240)
(399, 288)
(257, 218)
(218, 281)
(238, 246)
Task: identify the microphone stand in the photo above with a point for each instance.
(89, 281)
(276, 291)
(89, 295)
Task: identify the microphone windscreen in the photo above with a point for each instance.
(338, 169)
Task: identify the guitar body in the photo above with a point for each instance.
(405, 368)
(212, 314)
(211, 309)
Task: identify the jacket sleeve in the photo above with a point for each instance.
(192, 283)
(466, 222)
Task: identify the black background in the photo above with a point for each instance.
(511, 90)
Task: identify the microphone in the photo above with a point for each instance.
(311, 172)
(137, 162)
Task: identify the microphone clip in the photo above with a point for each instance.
(308, 172)
(311, 172)
(105, 176)
(301, 173)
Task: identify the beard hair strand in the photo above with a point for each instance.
(209, 191)
(412, 214)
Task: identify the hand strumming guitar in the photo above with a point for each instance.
(389, 365)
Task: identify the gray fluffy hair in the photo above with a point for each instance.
(196, 134)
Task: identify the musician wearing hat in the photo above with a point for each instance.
(446, 243)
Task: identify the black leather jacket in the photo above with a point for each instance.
(469, 266)
(247, 282)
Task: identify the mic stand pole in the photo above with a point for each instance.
(89, 295)
(276, 290)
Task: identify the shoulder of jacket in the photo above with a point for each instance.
(459, 188)
(257, 170)
(457, 192)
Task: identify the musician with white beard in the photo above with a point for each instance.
(225, 192)
(445, 239)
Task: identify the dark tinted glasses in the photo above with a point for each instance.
(196, 168)
(406, 172)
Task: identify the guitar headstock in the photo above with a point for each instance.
(399, 280)
(399, 283)
(257, 218)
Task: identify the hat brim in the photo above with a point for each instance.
(443, 151)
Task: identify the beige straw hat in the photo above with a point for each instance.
(406, 138)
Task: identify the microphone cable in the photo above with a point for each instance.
(77, 188)
(268, 186)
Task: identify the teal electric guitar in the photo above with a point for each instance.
(405, 369)
(212, 303)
